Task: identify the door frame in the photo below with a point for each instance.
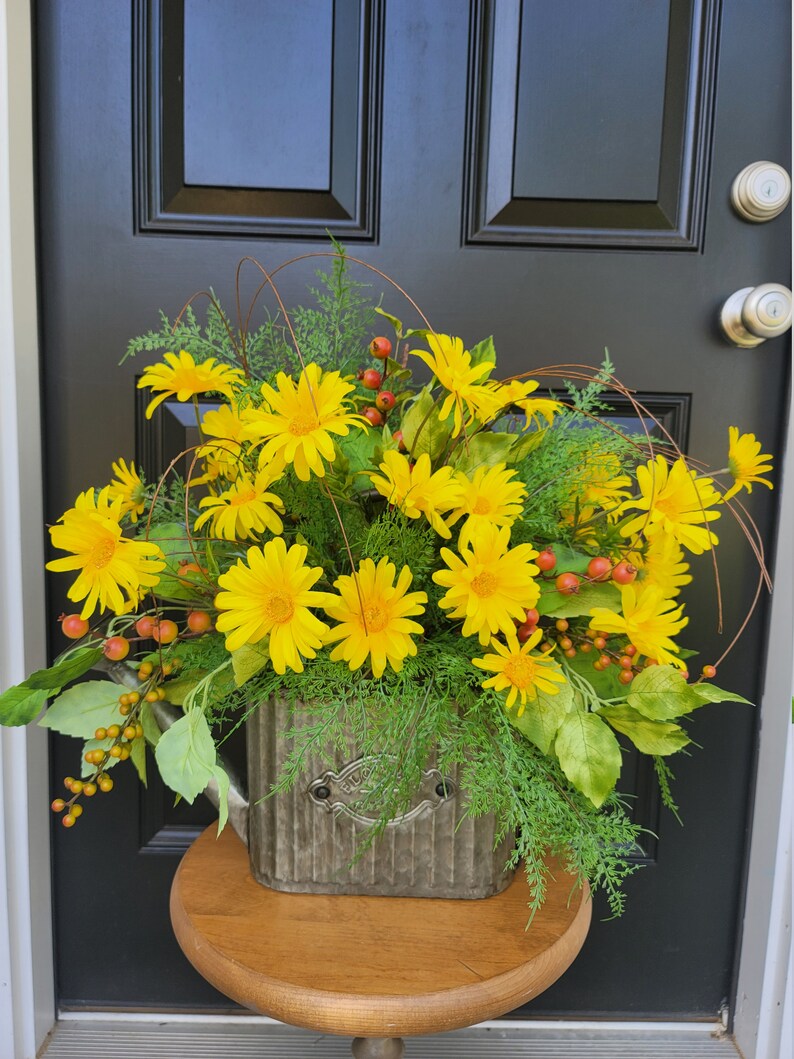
(27, 1005)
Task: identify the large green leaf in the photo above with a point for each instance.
(557, 605)
(138, 758)
(20, 704)
(249, 660)
(396, 324)
(80, 710)
(359, 449)
(710, 693)
(483, 450)
(651, 737)
(64, 672)
(483, 351)
(422, 429)
(662, 693)
(525, 443)
(151, 729)
(173, 542)
(588, 754)
(543, 716)
(186, 755)
(604, 682)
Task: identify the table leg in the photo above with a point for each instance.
(378, 1048)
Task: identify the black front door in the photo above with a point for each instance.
(555, 173)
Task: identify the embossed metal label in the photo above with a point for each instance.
(338, 792)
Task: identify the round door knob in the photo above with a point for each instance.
(753, 314)
(761, 191)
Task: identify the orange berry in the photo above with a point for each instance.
(129, 732)
(105, 784)
(58, 805)
(199, 621)
(101, 733)
(77, 810)
(165, 631)
(114, 731)
(116, 648)
(599, 643)
(560, 624)
(709, 672)
(68, 820)
(89, 790)
(570, 652)
(625, 676)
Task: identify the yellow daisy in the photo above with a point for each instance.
(374, 616)
(245, 509)
(114, 570)
(490, 584)
(519, 671)
(183, 378)
(128, 485)
(515, 394)
(648, 620)
(223, 455)
(297, 422)
(746, 462)
(270, 595)
(662, 565)
(674, 500)
(452, 366)
(416, 490)
(489, 497)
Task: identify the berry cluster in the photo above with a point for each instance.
(151, 675)
(373, 379)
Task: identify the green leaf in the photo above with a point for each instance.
(557, 605)
(151, 729)
(358, 449)
(526, 443)
(543, 716)
(483, 351)
(72, 667)
(422, 430)
(604, 682)
(710, 693)
(138, 758)
(662, 693)
(650, 737)
(249, 660)
(185, 755)
(589, 755)
(223, 796)
(417, 332)
(173, 542)
(483, 450)
(20, 704)
(80, 710)
(394, 370)
(396, 324)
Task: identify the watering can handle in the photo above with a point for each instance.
(165, 713)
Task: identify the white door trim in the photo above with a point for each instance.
(26, 955)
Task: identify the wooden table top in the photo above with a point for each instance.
(369, 966)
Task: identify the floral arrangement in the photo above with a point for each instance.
(450, 563)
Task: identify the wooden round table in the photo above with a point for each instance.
(376, 968)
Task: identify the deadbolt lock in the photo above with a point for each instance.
(761, 191)
(753, 314)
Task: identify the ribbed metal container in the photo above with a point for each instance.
(305, 840)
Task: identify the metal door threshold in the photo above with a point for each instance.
(86, 1039)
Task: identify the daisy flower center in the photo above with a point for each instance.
(243, 498)
(280, 608)
(482, 506)
(520, 671)
(301, 425)
(376, 618)
(484, 584)
(102, 553)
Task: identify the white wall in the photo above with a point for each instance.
(26, 983)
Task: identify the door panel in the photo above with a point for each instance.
(557, 174)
